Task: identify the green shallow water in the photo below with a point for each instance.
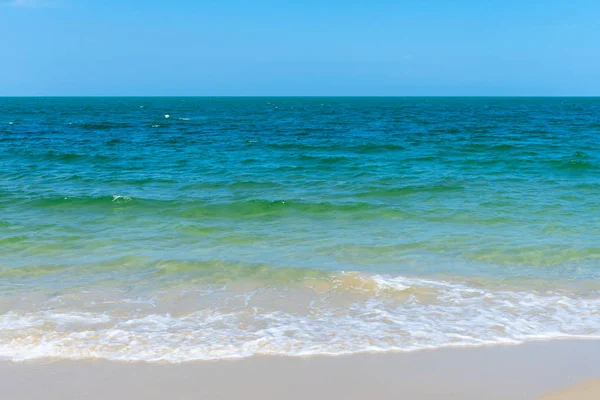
(231, 198)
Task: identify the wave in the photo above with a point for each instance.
(189, 208)
(579, 162)
(366, 148)
(340, 314)
(411, 189)
(67, 157)
(324, 159)
(100, 126)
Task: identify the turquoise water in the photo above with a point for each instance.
(243, 226)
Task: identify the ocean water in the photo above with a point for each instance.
(295, 226)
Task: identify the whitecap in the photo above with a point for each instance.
(117, 197)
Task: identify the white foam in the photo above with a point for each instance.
(117, 197)
(460, 315)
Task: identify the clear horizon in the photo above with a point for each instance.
(311, 96)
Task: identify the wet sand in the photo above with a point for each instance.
(586, 390)
(499, 372)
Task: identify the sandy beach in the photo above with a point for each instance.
(501, 372)
(589, 389)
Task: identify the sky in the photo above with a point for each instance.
(304, 48)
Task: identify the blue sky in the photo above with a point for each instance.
(264, 47)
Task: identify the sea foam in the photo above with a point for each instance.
(434, 313)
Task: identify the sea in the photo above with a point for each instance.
(180, 228)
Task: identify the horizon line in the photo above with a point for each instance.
(302, 96)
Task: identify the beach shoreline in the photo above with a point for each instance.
(525, 371)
